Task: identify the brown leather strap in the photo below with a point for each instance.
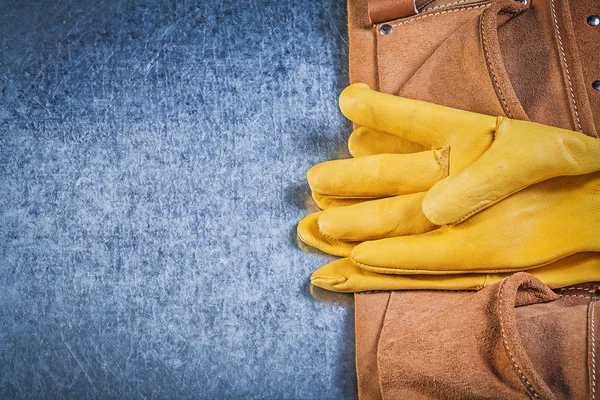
(387, 10)
(369, 318)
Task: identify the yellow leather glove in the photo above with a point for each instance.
(344, 276)
(346, 220)
(502, 156)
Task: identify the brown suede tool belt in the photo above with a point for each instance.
(515, 339)
(534, 61)
(527, 60)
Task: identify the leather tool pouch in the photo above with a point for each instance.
(498, 57)
(516, 339)
(530, 61)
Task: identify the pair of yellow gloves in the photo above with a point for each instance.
(439, 198)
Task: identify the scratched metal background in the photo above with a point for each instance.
(152, 161)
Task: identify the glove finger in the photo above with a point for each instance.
(429, 125)
(376, 219)
(523, 153)
(437, 252)
(338, 230)
(572, 270)
(490, 242)
(326, 202)
(376, 176)
(310, 234)
(365, 141)
(344, 276)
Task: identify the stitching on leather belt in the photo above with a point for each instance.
(593, 354)
(440, 13)
(491, 67)
(507, 347)
(566, 65)
(445, 5)
(583, 296)
(578, 288)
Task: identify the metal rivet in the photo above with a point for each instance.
(593, 20)
(385, 29)
(524, 2)
(596, 85)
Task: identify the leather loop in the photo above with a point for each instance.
(387, 10)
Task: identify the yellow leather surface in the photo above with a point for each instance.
(344, 276)
(438, 191)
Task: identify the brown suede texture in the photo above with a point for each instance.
(497, 57)
(514, 340)
(587, 40)
(367, 339)
(385, 10)
(532, 62)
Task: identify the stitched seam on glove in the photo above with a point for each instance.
(336, 241)
(400, 271)
(499, 121)
(332, 251)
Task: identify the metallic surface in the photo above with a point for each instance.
(152, 171)
(385, 29)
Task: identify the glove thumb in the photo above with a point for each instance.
(522, 154)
